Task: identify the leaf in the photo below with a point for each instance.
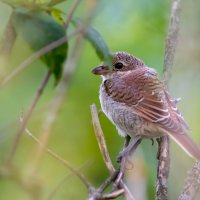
(97, 42)
(39, 29)
(57, 15)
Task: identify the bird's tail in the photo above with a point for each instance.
(187, 144)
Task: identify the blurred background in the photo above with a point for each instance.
(138, 27)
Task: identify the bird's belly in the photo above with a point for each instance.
(126, 119)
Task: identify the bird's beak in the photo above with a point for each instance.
(101, 70)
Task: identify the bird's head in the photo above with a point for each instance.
(122, 63)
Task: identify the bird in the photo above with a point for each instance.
(138, 103)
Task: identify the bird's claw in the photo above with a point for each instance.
(121, 155)
(152, 141)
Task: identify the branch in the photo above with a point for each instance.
(172, 39)
(60, 159)
(8, 40)
(57, 102)
(37, 55)
(70, 13)
(101, 140)
(192, 183)
(28, 115)
(60, 94)
(163, 152)
(6, 46)
(163, 168)
(104, 152)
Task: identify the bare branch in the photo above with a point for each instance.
(172, 39)
(101, 139)
(37, 55)
(28, 115)
(163, 154)
(114, 194)
(57, 101)
(6, 45)
(192, 183)
(104, 152)
(163, 169)
(60, 94)
(8, 40)
(71, 12)
(60, 159)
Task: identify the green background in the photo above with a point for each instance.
(138, 27)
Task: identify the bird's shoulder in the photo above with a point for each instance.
(144, 76)
(130, 87)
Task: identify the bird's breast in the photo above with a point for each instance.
(124, 118)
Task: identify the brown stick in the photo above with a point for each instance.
(163, 152)
(104, 152)
(101, 139)
(163, 169)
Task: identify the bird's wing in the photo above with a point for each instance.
(143, 92)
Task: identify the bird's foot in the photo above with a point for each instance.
(123, 154)
(152, 141)
(129, 149)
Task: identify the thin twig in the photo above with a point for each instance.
(60, 94)
(71, 12)
(56, 102)
(172, 39)
(104, 152)
(192, 183)
(163, 152)
(37, 55)
(61, 183)
(6, 45)
(28, 115)
(8, 40)
(113, 195)
(101, 139)
(60, 159)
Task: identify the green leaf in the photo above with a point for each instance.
(39, 29)
(97, 42)
(57, 14)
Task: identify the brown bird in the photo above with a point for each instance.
(138, 104)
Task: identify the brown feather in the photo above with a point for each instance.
(137, 102)
(144, 92)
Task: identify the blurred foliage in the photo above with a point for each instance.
(138, 27)
(39, 29)
(97, 42)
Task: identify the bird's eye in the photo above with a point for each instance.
(118, 65)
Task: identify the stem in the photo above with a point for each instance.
(71, 12)
(8, 40)
(28, 115)
(59, 158)
(192, 183)
(163, 168)
(106, 158)
(163, 151)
